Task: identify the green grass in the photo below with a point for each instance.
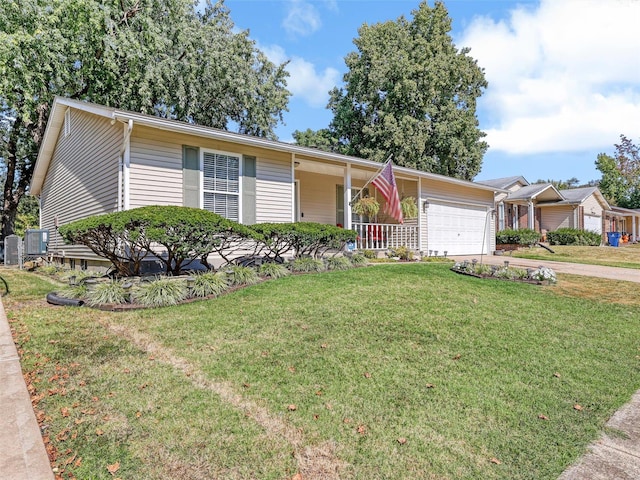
(627, 256)
(458, 366)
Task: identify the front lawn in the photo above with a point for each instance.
(393, 371)
(627, 256)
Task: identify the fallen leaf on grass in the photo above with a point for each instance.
(99, 432)
(113, 468)
(138, 414)
(496, 461)
(557, 375)
(324, 345)
(292, 369)
(577, 407)
(457, 357)
(297, 476)
(64, 411)
(362, 429)
(430, 385)
(402, 440)
(367, 375)
(543, 417)
(292, 407)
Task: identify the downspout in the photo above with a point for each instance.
(501, 216)
(123, 180)
(530, 216)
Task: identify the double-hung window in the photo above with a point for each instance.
(221, 184)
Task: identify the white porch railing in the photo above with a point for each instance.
(380, 236)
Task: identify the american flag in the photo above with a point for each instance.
(385, 182)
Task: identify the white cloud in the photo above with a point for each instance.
(564, 76)
(302, 18)
(304, 81)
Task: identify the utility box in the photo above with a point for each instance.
(35, 242)
(12, 250)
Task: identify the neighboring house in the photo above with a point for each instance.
(95, 159)
(623, 220)
(544, 208)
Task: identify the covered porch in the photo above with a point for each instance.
(324, 193)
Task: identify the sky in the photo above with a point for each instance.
(564, 75)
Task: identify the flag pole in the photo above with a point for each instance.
(353, 200)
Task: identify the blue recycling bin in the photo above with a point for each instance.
(614, 238)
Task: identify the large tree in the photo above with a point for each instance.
(411, 93)
(161, 57)
(620, 182)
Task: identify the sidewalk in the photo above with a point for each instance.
(23, 456)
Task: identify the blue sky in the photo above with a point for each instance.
(564, 75)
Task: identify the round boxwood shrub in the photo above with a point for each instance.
(573, 236)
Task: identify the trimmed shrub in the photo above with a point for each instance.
(338, 263)
(162, 292)
(111, 292)
(307, 265)
(523, 236)
(370, 254)
(403, 253)
(174, 234)
(273, 270)
(209, 283)
(573, 236)
(302, 238)
(239, 275)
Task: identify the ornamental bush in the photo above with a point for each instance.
(573, 236)
(522, 236)
(302, 238)
(175, 235)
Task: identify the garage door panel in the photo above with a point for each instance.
(593, 223)
(456, 229)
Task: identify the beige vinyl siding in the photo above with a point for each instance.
(82, 179)
(592, 206)
(155, 176)
(554, 218)
(274, 190)
(318, 197)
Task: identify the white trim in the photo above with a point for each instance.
(203, 151)
(296, 199)
(489, 206)
(126, 167)
(346, 194)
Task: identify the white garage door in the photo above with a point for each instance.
(457, 229)
(593, 223)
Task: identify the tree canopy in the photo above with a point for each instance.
(411, 93)
(160, 57)
(620, 182)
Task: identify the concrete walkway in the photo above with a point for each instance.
(23, 456)
(22, 452)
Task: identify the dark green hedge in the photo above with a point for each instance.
(302, 238)
(174, 234)
(523, 236)
(573, 236)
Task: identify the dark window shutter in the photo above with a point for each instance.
(190, 176)
(248, 190)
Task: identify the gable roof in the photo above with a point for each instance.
(505, 182)
(538, 191)
(60, 105)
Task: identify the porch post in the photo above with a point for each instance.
(347, 197)
(420, 215)
(530, 217)
(501, 216)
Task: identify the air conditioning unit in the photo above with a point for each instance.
(35, 242)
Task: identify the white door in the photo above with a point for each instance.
(593, 223)
(457, 229)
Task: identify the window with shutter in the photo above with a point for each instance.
(221, 184)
